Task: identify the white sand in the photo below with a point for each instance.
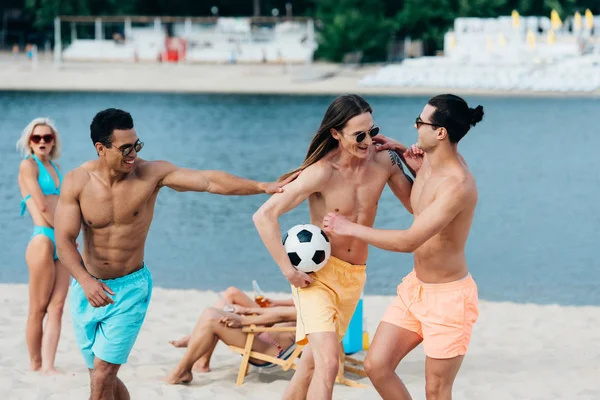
(319, 78)
(517, 352)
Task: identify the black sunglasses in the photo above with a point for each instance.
(127, 148)
(362, 135)
(48, 138)
(419, 122)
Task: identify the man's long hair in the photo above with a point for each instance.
(339, 112)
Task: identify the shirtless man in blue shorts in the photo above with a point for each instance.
(112, 199)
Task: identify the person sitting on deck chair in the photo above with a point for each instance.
(216, 324)
(232, 300)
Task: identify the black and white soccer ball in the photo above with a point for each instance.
(307, 247)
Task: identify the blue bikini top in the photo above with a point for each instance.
(45, 180)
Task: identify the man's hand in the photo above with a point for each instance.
(277, 187)
(336, 223)
(414, 157)
(96, 292)
(299, 279)
(385, 143)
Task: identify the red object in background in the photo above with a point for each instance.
(174, 49)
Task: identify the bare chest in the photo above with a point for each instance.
(423, 191)
(353, 195)
(123, 204)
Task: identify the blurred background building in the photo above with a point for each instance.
(488, 44)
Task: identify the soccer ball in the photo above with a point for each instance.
(307, 247)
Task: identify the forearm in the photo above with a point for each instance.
(412, 171)
(262, 319)
(282, 303)
(268, 317)
(227, 184)
(46, 212)
(391, 240)
(48, 217)
(269, 231)
(71, 259)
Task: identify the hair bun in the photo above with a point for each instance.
(476, 115)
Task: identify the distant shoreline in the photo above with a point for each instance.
(260, 79)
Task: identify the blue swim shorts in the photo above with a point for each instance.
(109, 332)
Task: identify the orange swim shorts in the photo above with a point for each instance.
(327, 305)
(443, 314)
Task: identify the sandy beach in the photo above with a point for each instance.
(518, 351)
(316, 79)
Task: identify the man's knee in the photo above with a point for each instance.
(375, 367)
(437, 388)
(328, 364)
(104, 373)
(372, 367)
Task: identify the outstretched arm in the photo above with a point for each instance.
(449, 201)
(267, 224)
(217, 182)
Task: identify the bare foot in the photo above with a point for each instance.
(35, 366)
(201, 367)
(176, 377)
(51, 371)
(183, 342)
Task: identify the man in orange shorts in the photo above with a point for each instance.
(437, 301)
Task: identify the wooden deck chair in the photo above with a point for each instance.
(285, 361)
(352, 365)
(288, 358)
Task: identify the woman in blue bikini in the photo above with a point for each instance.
(40, 180)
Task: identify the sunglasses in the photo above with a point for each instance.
(127, 148)
(38, 138)
(419, 122)
(362, 135)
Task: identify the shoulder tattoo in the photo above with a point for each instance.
(395, 159)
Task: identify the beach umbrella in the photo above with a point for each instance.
(531, 39)
(489, 44)
(501, 40)
(589, 19)
(577, 21)
(515, 18)
(452, 41)
(555, 20)
(551, 37)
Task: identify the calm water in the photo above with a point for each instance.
(535, 161)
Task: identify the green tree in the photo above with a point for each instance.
(46, 10)
(481, 8)
(353, 25)
(428, 23)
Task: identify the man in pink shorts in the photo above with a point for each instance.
(437, 301)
